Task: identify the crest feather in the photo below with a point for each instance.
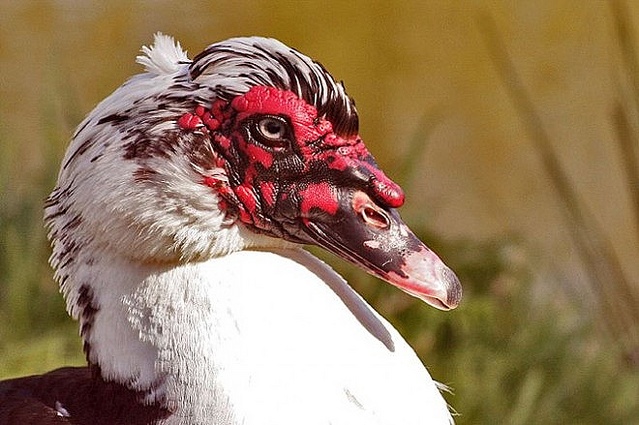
(165, 56)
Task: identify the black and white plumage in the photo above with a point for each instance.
(176, 227)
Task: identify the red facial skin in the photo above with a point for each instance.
(261, 175)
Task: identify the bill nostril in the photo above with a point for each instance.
(375, 217)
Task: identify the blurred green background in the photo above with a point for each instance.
(513, 127)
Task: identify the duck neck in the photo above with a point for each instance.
(153, 328)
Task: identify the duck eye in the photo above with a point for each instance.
(271, 129)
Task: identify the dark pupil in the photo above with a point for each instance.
(273, 128)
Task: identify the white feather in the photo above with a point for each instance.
(165, 56)
(258, 338)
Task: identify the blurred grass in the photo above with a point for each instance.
(617, 295)
(512, 353)
(36, 334)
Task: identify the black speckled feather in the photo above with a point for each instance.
(73, 395)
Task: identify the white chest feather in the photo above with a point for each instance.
(264, 338)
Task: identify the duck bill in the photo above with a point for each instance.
(377, 240)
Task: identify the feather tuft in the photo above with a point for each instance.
(164, 57)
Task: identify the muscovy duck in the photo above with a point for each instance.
(177, 226)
